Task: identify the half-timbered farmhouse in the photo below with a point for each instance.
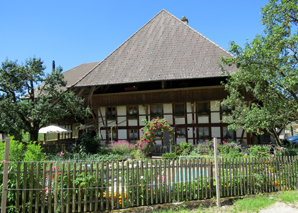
(166, 69)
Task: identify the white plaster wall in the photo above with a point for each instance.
(158, 142)
(169, 118)
(121, 110)
(132, 122)
(189, 118)
(122, 134)
(142, 110)
(203, 119)
(121, 121)
(167, 108)
(100, 123)
(190, 132)
(190, 141)
(215, 117)
(214, 105)
(215, 132)
(180, 120)
(180, 140)
(111, 123)
(188, 107)
(239, 133)
(141, 118)
(103, 134)
(102, 110)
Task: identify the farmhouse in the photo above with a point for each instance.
(167, 70)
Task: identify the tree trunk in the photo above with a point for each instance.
(33, 135)
(276, 138)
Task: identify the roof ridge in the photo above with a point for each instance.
(121, 45)
(85, 74)
(200, 33)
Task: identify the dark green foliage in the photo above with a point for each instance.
(89, 143)
(183, 149)
(169, 156)
(267, 71)
(259, 151)
(24, 107)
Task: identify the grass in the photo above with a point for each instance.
(254, 204)
(247, 204)
(289, 196)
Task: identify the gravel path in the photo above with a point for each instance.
(279, 207)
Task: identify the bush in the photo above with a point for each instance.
(183, 149)
(89, 143)
(259, 151)
(169, 156)
(122, 147)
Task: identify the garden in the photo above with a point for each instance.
(91, 177)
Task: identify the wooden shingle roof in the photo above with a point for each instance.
(165, 48)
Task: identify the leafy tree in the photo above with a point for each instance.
(267, 73)
(24, 107)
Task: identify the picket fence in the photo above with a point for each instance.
(105, 185)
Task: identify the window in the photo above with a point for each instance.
(180, 132)
(157, 133)
(114, 135)
(179, 110)
(156, 111)
(66, 135)
(133, 135)
(203, 108)
(111, 113)
(227, 134)
(226, 110)
(203, 133)
(132, 112)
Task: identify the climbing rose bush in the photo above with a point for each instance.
(150, 130)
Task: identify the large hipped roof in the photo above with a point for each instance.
(163, 49)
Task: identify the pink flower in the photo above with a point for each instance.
(3, 161)
(61, 153)
(272, 156)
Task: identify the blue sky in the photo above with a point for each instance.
(76, 32)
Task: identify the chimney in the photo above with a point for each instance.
(53, 66)
(185, 20)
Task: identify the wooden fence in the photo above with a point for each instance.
(104, 185)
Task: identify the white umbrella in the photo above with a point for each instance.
(53, 129)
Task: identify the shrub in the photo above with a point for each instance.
(34, 152)
(169, 155)
(194, 154)
(259, 151)
(122, 147)
(89, 143)
(183, 149)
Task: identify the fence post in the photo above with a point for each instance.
(216, 173)
(5, 176)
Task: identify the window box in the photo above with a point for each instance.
(205, 112)
(111, 117)
(130, 116)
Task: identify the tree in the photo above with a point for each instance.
(267, 71)
(26, 108)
